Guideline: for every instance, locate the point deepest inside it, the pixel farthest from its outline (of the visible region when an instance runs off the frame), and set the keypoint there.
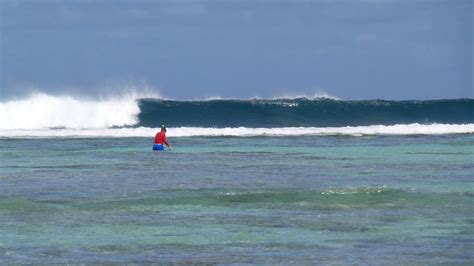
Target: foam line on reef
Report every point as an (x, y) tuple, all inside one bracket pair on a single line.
[(410, 129)]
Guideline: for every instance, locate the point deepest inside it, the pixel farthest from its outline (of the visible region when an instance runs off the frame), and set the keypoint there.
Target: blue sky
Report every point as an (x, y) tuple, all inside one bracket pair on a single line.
[(417, 49)]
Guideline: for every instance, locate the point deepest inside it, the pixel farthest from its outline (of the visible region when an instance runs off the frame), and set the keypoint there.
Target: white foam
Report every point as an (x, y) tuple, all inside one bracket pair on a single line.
[(42, 111), (410, 129)]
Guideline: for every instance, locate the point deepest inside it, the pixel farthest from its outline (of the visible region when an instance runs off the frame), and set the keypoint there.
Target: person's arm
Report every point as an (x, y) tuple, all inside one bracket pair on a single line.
[(166, 142)]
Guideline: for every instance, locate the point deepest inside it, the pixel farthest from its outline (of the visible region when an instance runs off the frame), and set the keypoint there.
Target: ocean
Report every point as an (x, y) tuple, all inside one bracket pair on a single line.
[(277, 181)]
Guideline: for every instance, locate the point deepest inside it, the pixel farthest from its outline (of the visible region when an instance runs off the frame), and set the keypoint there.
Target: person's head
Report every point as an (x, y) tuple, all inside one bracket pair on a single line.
[(163, 128)]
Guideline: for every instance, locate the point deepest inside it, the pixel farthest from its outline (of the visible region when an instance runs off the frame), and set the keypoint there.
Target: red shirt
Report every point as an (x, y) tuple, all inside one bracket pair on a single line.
[(160, 138)]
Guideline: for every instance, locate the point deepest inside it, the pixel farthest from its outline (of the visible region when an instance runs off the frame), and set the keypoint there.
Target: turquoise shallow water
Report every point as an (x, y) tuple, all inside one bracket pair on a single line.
[(390, 199)]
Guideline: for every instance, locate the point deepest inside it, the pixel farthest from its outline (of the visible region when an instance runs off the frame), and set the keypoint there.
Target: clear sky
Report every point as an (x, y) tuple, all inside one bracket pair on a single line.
[(354, 49)]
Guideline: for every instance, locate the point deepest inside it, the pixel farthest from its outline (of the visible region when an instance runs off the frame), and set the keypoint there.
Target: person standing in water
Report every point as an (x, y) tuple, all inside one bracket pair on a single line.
[(160, 139)]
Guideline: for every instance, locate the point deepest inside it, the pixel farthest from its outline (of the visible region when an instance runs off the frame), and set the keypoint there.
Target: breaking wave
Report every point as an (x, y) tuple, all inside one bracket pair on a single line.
[(42, 111), (135, 115)]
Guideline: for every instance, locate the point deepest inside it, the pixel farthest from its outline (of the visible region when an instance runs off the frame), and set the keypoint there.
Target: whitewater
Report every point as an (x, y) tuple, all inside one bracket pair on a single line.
[(411, 129), (43, 115)]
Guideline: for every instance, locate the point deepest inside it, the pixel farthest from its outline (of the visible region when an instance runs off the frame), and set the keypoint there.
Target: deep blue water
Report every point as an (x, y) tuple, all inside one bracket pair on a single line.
[(307, 199), (302, 112)]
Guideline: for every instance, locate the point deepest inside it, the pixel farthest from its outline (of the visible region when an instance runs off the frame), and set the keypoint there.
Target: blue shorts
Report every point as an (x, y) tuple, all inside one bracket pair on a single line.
[(158, 147)]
